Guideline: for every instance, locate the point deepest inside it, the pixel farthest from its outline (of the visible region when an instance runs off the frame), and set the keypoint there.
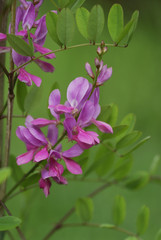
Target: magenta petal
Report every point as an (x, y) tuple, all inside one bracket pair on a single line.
[(41, 155), (69, 124), (46, 67), (74, 151), (84, 137), (42, 122), (4, 49), (104, 75), (43, 50), (76, 91), (27, 78), (102, 126), (29, 17), (60, 109), (45, 184), (86, 114), (89, 70), (72, 166), (54, 99), (37, 134), (28, 121), (52, 134), (41, 31), (31, 138), (25, 158), (20, 134), (3, 36)]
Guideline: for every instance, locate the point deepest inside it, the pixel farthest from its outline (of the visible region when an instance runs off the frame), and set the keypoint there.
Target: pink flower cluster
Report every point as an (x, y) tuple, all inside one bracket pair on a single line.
[(79, 111), (26, 19)]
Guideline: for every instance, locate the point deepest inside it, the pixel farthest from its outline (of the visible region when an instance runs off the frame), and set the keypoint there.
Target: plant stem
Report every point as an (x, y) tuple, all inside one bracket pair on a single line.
[(9, 213), (72, 210), (19, 182), (10, 96), (96, 225), (13, 116), (63, 49), (3, 26)]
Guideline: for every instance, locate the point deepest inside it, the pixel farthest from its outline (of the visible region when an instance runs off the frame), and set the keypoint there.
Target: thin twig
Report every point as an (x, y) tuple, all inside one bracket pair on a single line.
[(9, 213), (63, 49), (20, 181), (72, 210), (96, 225), (4, 69), (13, 116)]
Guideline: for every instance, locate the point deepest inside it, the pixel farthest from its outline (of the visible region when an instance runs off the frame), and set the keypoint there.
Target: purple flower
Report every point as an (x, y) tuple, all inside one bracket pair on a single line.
[(37, 144), (104, 75)]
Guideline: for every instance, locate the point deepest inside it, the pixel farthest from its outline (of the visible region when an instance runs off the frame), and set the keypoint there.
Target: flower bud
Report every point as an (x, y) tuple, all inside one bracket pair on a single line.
[(89, 70), (99, 51)]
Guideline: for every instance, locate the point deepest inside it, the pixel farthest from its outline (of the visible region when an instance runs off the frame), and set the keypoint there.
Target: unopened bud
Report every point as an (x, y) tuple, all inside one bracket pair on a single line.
[(105, 49), (99, 51), (89, 70), (97, 63)]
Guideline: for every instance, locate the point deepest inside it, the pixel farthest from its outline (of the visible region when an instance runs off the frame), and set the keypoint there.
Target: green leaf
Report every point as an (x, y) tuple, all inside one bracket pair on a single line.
[(122, 168), (19, 45), (125, 31), (130, 120), (34, 178), (4, 174), (135, 17), (84, 209), (51, 23), (104, 160), (31, 98), (63, 3), (114, 115), (129, 139), (119, 210), (77, 4), (82, 16), (155, 163), (117, 131), (139, 144), (143, 220), (115, 21), (9, 222), (105, 113), (65, 26), (21, 95), (158, 235), (95, 23), (17, 172), (137, 180)]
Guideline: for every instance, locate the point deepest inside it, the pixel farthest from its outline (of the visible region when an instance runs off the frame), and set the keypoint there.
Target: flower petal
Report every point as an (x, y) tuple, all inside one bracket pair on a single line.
[(29, 17), (72, 166), (41, 31), (41, 155), (86, 114), (89, 70), (52, 134), (27, 78), (74, 151), (25, 158), (77, 90), (42, 122), (102, 126), (69, 124), (46, 67), (43, 50), (54, 99), (3, 36), (45, 185), (4, 49)]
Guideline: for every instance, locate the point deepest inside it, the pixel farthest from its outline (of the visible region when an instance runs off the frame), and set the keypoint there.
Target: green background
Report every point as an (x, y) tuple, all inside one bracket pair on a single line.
[(135, 87)]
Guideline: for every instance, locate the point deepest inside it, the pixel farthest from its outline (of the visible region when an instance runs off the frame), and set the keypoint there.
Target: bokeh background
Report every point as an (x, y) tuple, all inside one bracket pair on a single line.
[(135, 87)]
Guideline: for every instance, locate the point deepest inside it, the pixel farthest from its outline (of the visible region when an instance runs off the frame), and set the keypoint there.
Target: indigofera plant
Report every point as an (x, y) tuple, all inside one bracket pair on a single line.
[(80, 123)]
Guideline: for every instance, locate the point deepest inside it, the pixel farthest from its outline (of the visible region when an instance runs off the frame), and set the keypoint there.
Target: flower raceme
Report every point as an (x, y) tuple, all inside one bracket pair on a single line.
[(26, 14), (79, 111)]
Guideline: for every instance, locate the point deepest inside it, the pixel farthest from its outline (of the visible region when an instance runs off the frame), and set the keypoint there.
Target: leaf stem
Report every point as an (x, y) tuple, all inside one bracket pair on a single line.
[(72, 210), (97, 225), (63, 49)]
